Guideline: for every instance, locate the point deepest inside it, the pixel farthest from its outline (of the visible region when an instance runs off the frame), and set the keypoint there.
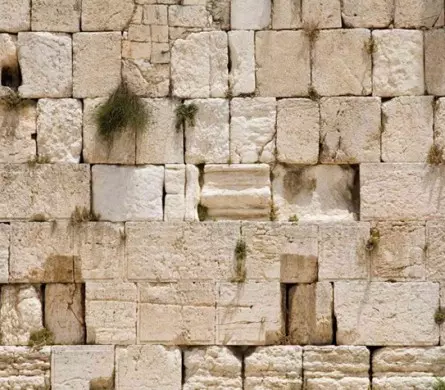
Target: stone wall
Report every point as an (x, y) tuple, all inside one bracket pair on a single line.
[(288, 234)]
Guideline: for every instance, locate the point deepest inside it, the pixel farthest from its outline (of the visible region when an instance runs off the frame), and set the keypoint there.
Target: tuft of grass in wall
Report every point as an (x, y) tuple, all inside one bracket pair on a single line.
[(435, 155), (439, 316), (39, 218), (370, 46), (293, 218), (313, 94), (40, 338), (32, 162), (12, 99), (202, 212), (373, 240), (439, 384), (311, 30), (273, 212), (185, 114), (240, 261), (82, 214)]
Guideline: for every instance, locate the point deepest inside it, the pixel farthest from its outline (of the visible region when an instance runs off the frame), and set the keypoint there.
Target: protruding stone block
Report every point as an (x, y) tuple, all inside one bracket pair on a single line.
[(250, 14), (298, 269), (55, 15), (108, 15), (434, 61), (370, 13), (16, 15), (242, 56), (414, 14)]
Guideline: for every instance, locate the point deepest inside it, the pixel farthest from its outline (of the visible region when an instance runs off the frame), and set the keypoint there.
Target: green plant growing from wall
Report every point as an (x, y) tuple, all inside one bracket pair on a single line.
[(32, 162), (40, 338), (439, 316), (373, 240), (185, 114), (435, 155), (82, 214), (240, 261), (439, 384), (293, 218)]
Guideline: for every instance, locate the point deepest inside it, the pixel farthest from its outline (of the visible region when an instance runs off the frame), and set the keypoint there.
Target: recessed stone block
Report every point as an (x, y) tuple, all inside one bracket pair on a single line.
[(298, 269)]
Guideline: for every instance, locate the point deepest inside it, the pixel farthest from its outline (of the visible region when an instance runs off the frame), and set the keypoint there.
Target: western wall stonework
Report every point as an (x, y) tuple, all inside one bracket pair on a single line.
[(286, 233)]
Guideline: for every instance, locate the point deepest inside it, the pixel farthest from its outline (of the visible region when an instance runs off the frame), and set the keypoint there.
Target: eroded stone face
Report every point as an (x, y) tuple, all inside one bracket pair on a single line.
[(435, 251), (242, 57), (250, 14), (287, 14), (371, 13), (55, 15), (412, 14), (5, 231), (16, 15), (434, 60), (99, 15)]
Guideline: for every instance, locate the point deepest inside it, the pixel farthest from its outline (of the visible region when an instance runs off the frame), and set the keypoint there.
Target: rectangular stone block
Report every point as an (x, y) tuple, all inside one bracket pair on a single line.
[(412, 14), (5, 233), (192, 193), (370, 13), (175, 179), (434, 61), (298, 269), (16, 15), (99, 15), (287, 14), (145, 78), (55, 15), (188, 16), (250, 14), (322, 13), (379, 313), (435, 250), (174, 207), (242, 55)]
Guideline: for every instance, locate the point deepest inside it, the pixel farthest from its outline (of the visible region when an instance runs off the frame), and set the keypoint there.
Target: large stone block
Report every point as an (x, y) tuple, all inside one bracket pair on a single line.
[(188, 16), (435, 251), (242, 57), (434, 61), (175, 178), (145, 78), (5, 233), (55, 15), (46, 64), (100, 15), (322, 13), (297, 269), (287, 14), (379, 313), (16, 15), (439, 124), (370, 13), (282, 63), (250, 14), (414, 14)]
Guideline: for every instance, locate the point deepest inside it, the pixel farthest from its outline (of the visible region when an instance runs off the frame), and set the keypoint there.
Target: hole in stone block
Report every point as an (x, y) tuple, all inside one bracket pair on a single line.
[(11, 77)]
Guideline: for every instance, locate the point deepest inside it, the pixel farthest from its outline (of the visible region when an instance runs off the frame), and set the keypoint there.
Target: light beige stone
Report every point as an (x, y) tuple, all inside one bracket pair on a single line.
[(252, 130), (435, 259), (188, 16), (220, 12), (5, 233), (55, 15), (367, 13), (442, 304), (155, 14), (242, 57), (322, 13), (414, 14), (350, 130), (379, 313), (192, 193), (16, 15), (175, 178), (159, 33), (282, 63), (100, 15), (398, 63), (136, 50), (145, 78), (174, 207), (298, 269), (439, 124), (250, 14), (46, 64), (140, 33), (287, 14), (160, 53), (8, 59), (434, 61)]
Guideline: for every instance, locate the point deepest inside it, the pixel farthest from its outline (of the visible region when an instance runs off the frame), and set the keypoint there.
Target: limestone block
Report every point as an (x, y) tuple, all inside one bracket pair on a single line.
[(414, 14), (5, 233), (239, 191), (435, 250), (287, 14), (46, 64), (55, 15), (434, 61), (350, 129), (317, 193), (298, 131), (322, 13), (8, 58), (82, 367), (369, 13), (188, 16), (199, 65), (110, 312), (148, 367), (155, 14), (56, 190), (212, 367), (137, 192), (249, 313), (140, 33), (160, 142), (310, 314), (59, 129), (379, 313), (282, 63), (159, 33), (167, 252), (407, 129), (342, 65), (220, 12), (332, 367), (64, 313), (174, 207), (242, 56), (160, 53), (20, 313), (16, 15), (108, 15), (298, 269), (145, 78), (97, 74), (252, 130), (439, 123), (177, 313), (398, 63), (274, 367), (175, 178), (192, 193), (400, 191), (250, 14)]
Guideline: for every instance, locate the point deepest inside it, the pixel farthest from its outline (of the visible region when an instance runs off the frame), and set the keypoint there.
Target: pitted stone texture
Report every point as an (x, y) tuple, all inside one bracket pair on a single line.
[(175, 178), (379, 313), (318, 193), (82, 366), (148, 367), (208, 141), (212, 368), (100, 15), (414, 14), (174, 207), (252, 130), (192, 193), (5, 232), (168, 252), (282, 63), (249, 313), (350, 130), (250, 14), (46, 64), (369, 13), (398, 63), (297, 269), (188, 16), (136, 192), (331, 367), (342, 65), (239, 191), (199, 65), (407, 128), (401, 191), (242, 57), (298, 128), (434, 61), (96, 63), (56, 190), (59, 129), (322, 13), (287, 14), (20, 313), (55, 15), (145, 78), (16, 15), (400, 252), (110, 312), (274, 367), (177, 313), (435, 251)]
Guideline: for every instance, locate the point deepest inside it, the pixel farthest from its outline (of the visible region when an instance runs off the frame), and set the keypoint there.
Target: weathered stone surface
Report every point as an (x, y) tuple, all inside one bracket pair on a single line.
[(370, 13), (82, 367), (64, 313), (379, 313), (350, 130), (434, 61), (242, 57), (342, 65), (155, 14), (199, 65), (188, 16), (59, 129), (148, 367), (56, 190), (192, 193), (298, 269), (20, 313), (237, 191), (398, 63), (175, 178), (282, 63), (439, 124), (55, 15), (16, 15), (252, 130), (322, 13), (137, 192), (298, 131), (100, 15), (212, 367), (145, 78), (174, 207), (110, 312), (275, 367), (46, 64), (250, 14), (287, 14), (96, 63), (435, 251), (414, 14), (407, 128), (5, 232), (8, 58)]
